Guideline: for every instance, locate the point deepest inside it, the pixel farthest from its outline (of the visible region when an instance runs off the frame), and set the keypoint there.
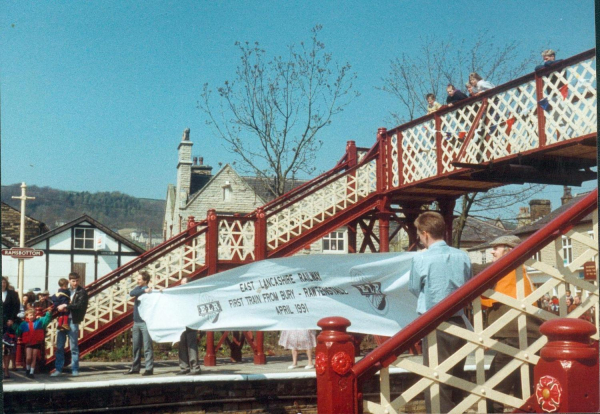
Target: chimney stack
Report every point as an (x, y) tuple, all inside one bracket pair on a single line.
[(523, 217), (539, 209), (567, 196), (195, 160), (201, 160)]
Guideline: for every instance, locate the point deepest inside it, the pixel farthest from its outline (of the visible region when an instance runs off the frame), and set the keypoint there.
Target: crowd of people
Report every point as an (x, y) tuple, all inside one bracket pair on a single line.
[(477, 85)]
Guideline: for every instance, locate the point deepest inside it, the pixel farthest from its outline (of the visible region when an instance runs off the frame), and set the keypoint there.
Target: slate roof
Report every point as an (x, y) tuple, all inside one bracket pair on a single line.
[(542, 221), (259, 186), (478, 231)]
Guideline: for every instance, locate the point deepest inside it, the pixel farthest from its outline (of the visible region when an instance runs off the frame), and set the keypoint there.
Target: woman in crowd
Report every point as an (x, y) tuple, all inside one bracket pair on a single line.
[(299, 340)]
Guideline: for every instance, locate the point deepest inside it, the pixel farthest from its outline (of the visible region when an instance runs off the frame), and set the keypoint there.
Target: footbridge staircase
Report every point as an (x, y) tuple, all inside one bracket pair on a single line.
[(540, 128)]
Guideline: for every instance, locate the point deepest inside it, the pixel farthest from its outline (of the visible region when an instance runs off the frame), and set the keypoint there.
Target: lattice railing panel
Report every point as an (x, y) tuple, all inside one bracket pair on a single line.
[(482, 337), (236, 239), (394, 167), (419, 152), (508, 126), (454, 128), (305, 213), (572, 100), (114, 300)]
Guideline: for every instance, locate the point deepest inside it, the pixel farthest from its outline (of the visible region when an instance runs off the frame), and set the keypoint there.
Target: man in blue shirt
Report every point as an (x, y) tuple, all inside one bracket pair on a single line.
[(435, 274), (140, 331)]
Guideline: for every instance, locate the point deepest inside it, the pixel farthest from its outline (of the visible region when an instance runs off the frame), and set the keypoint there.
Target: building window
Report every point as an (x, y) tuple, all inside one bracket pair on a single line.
[(567, 248), (483, 257), (537, 256), (227, 193), (335, 242), (84, 239)]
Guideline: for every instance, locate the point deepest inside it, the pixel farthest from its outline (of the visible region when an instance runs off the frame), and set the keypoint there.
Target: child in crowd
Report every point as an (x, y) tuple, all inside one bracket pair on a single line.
[(432, 104), (9, 341), (62, 297), (32, 334)]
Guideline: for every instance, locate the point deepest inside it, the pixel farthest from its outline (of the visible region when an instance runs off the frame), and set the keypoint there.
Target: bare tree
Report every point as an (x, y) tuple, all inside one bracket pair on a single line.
[(271, 113), (488, 206), (439, 62)]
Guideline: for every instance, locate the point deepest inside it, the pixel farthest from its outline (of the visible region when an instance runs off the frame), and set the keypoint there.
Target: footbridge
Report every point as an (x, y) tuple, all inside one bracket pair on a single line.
[(539, 128)]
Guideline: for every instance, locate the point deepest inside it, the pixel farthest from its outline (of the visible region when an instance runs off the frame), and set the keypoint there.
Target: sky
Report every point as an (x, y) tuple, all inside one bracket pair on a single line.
[(95, 95)]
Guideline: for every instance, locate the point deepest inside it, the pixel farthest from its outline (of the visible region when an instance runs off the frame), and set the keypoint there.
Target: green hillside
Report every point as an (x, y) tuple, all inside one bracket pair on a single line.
[(113, 209)]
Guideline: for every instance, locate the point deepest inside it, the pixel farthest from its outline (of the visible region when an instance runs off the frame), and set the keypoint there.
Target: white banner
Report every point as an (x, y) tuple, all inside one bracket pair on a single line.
[(371, 290)]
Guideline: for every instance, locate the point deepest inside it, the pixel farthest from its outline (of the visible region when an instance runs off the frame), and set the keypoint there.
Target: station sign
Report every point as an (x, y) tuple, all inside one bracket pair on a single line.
[(22, 252), (589, 270)]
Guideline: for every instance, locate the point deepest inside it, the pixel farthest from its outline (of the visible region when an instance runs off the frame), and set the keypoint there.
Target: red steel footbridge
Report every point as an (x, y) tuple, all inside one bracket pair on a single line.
[(539, 128)]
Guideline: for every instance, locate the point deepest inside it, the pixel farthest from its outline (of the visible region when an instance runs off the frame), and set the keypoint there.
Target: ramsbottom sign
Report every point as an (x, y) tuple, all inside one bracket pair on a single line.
[(371, 290), (22, 252)]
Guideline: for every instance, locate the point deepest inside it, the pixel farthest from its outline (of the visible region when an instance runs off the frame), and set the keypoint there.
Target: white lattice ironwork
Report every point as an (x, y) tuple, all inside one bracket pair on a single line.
[(482, 338), (306, 212), (508, 126), (419, 152), (114, 300), (454, 127), (394, 168), (571, 96), (236, 239)]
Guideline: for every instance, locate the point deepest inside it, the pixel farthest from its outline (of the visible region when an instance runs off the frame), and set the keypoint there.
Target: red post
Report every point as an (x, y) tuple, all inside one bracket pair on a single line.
[(210, 358), (352, 228), (541, 115), (439, 153), (336, 384), (351, 153), (212, 241), (382, 160), (384, 225), (447, 211), (260, 253), (566, 377), (212, 255)]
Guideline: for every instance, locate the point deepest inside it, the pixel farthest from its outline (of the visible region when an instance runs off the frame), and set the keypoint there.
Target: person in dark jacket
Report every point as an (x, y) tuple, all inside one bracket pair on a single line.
[(549, 57), (140, 331), (11, 305), (77, 309), (454, 95)]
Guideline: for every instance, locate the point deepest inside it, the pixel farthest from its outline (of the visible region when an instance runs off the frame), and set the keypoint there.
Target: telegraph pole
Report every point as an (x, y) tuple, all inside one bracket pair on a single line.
[(23, 199)]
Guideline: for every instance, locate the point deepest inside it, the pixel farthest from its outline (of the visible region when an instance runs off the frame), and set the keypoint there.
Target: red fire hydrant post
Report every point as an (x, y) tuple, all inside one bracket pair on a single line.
[(566, 377), (336, 384)]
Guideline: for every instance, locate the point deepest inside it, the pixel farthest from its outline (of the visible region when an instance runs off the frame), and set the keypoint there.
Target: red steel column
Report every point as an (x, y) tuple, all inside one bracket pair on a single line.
[(384, 225), (337, 387), (566, 377), (447, 211), (439, 153), (541, 115), (382, 160), (352, 228), (260, 253), (212, 255)]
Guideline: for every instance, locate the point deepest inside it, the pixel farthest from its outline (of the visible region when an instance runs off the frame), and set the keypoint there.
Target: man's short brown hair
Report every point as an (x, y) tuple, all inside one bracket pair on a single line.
[(145, 276), (433, 223), (74, 275)]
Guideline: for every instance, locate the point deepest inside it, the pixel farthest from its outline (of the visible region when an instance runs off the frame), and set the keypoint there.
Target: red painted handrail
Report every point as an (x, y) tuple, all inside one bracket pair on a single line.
[(426, 323)]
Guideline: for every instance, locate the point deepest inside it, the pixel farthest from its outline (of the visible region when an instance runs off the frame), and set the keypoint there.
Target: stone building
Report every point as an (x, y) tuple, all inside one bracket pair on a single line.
[(559, 254)]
